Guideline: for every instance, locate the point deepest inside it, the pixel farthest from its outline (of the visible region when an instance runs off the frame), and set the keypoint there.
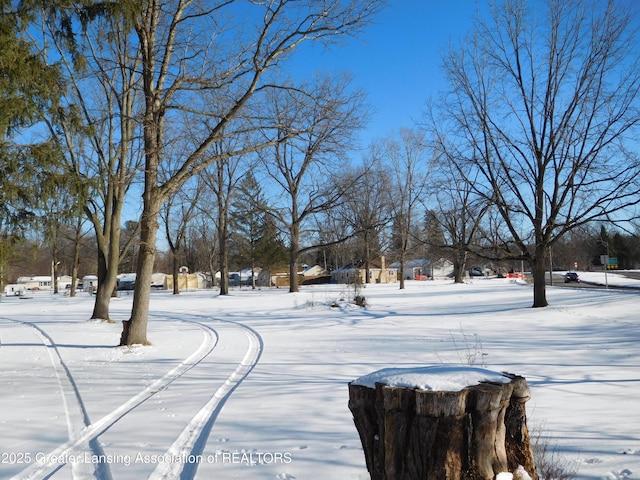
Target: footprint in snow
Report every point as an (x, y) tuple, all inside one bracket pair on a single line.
[(622, 474)]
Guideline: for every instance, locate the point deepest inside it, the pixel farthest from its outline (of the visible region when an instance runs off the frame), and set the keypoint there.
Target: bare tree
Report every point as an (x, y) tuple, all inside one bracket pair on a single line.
[(367, 209), (314, 128), (201, 243), (189, 47), (458, 212), (177, 213), (221, 178), (406, 154), (97, 127), (542, 109)]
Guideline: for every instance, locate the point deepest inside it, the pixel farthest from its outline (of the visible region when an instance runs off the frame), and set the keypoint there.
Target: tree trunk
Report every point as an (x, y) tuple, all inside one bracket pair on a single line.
[(224, 262), (459, 265), (293, 260), (76, 263), (293, 273), (223, 231), (538, 267), (367, 257), (135, 329), (108, 263), (457, 271), (107, 278), (175, 273), (471, 434), (224, 278), (54, 273), (253, 276)]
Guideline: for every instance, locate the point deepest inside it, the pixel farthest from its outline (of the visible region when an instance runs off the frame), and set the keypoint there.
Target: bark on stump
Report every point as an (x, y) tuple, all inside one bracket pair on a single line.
[(471, 434)]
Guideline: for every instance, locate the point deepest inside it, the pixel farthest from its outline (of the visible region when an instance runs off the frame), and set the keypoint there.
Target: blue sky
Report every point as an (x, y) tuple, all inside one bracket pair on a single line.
[(397, 59)]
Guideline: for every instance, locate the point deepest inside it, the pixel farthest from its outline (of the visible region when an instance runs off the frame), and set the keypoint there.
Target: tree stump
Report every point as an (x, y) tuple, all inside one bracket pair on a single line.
[(412, 431)]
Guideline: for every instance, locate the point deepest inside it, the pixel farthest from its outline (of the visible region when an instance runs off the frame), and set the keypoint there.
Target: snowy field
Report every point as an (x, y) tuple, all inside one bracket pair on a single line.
[(254, 385)]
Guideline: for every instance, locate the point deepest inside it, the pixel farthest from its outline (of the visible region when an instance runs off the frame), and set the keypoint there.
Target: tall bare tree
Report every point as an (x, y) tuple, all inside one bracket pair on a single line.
[(230, 51), (315, 126), (201, 243), (221, 179), (458, 213), (97, 125), (177, 213), (367, 208), (543, 108), (406, 155)]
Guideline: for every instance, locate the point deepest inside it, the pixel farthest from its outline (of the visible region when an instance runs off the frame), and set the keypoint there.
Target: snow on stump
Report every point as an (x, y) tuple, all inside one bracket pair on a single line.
[(443, 423)]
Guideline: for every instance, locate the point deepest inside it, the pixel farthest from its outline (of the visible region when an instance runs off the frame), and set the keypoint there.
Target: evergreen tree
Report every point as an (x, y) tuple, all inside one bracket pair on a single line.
[(247, 223), (271, 250), (29, 88)]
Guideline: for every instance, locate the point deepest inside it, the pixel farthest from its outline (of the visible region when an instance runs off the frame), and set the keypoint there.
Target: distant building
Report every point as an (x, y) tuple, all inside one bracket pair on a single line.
[(310, 275), (378, 272), (314, 271), (159, 281), (90, 283), (417, 269), (420, 269), (38, 282), (188, 281), (126, 281), (314, 275), (14, 290), (43, 282), (442, 269), (273, 278)]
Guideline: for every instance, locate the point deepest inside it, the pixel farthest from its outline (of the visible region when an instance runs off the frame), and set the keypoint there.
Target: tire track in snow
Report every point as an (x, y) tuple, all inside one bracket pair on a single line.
[(77, 419), (51, 461), (194, 436)]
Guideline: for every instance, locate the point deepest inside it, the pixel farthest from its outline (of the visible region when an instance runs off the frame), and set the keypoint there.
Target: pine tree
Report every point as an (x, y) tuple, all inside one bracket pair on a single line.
[(29, 88)]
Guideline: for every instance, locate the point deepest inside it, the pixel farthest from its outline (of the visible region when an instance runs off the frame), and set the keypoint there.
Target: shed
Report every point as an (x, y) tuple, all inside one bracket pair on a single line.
[(90, 283)]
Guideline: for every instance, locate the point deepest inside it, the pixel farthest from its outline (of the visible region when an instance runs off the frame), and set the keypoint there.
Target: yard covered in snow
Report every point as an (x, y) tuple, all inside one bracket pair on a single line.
[(253, 385)]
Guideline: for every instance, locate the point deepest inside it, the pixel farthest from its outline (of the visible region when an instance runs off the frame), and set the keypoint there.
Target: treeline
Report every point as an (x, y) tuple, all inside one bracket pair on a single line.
[(582, 249)]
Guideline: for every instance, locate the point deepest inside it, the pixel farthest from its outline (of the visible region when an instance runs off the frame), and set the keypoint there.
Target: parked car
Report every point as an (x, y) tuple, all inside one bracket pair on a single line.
[(571, 277), (476, 272)]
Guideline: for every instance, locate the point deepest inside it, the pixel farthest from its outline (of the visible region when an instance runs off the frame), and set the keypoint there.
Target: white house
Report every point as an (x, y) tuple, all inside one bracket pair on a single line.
[(43, 282), (419, 269), (416, 269), (442, 269), (37, 282)]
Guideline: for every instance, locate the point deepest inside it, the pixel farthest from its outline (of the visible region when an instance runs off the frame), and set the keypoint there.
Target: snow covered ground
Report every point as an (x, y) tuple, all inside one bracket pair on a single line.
[(254, 385)]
